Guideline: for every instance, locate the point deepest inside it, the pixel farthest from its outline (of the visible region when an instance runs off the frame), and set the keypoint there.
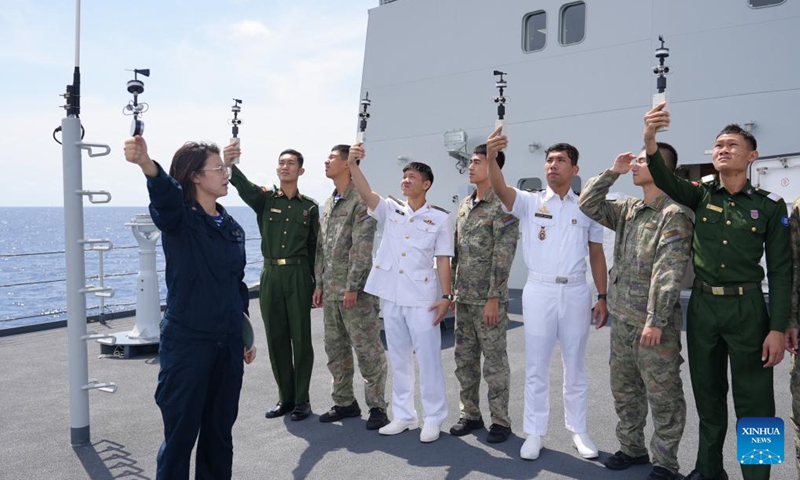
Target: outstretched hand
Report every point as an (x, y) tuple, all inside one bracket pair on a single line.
[(356, 153), (136, 153), (655, 119), (496, 142), (623, 163), (230, 152)]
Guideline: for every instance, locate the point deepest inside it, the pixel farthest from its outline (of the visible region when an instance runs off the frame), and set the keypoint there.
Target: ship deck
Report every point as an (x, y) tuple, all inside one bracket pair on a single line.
[(126, 428)]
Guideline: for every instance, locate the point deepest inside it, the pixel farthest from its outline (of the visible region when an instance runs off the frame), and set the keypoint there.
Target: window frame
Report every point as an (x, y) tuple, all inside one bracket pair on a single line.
[(525, 19), (749, 4), (561, 11)]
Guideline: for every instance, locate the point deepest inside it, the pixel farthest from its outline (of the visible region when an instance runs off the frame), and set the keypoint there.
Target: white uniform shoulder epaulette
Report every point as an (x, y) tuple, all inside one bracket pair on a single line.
[(436, 207), (708, 178), (397, 201), (771, 195)]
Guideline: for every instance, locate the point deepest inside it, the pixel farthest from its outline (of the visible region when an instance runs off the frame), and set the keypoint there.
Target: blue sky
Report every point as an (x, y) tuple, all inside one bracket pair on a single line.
[(296, 64)]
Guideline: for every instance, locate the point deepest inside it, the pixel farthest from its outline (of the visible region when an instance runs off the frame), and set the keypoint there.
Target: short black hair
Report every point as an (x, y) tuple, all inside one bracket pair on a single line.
[(423, 169), (572, 152), (669, 154), (297, 155), (734, 128), (481, 150), (344, 151)]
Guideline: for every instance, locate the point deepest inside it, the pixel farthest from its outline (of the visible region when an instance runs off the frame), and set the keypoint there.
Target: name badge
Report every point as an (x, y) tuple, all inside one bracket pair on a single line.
[(274, 210), (714, 208), (542, 215), (400, 212)]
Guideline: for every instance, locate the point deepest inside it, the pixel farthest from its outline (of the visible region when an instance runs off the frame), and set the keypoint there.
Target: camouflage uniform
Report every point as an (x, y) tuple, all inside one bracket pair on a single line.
[(794, 317), (486, 241), (651, 253), (344, 259)]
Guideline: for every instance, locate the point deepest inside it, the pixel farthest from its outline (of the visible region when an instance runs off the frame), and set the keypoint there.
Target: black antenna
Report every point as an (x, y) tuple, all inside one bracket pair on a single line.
[(662, 53), (363, 116), (136, 88), (500, 100), (235, 121)]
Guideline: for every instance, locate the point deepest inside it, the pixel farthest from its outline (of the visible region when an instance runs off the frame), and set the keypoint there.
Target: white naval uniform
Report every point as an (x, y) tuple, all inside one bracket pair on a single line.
[(404, 277), (556, 303)]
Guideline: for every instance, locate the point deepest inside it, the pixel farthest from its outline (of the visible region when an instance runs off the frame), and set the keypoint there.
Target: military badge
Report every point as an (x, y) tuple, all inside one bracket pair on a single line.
[(279, 193), (754, 214), (274, 210), (542, 234), (574, 221), (785, 221), (429, 221), (714, 208), (305, 213), (544, 209)]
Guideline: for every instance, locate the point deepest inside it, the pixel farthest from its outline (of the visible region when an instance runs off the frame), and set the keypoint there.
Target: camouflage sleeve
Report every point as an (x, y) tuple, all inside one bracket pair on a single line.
[(794, 228), (506, 232), (593, 201), (454, 258), (361, 249), (669, 265), (319, 259), (254, 196), (678, 189)]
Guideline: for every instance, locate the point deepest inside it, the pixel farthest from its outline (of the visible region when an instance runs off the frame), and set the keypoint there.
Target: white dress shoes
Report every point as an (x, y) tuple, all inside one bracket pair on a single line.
[(398, 426), (585, 446), (429, 433), (531, 448)]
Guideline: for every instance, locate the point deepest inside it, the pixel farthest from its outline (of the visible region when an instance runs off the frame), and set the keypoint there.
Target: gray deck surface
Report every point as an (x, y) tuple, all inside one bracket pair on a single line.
[(126, 426)]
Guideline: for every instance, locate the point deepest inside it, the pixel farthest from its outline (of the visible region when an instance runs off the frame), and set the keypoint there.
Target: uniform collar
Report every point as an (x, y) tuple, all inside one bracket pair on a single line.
[(549, 193), (748, 188), (345, 194), (487, 197), (658, 203), (279, 193)]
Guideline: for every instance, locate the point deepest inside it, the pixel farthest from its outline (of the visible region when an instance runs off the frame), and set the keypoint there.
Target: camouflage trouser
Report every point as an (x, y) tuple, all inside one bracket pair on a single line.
[(795, 389), (473, 337), (358, 328), (640, 374)]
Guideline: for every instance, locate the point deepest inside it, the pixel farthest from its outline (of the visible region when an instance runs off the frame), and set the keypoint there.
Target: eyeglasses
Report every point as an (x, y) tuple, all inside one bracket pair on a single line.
[(220, 169)]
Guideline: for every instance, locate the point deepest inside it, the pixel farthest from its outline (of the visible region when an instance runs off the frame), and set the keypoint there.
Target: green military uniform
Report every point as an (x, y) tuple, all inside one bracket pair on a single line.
[(651, 252), (289, 228), (794, 319), (485, 244), (344, 259), (727, 314)]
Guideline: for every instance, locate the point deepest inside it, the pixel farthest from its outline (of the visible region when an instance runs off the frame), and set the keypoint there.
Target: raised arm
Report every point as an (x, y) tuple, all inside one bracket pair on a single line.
[(679, 189), (360, 256), (253, 195), (593, 201), (166, 195), (359, 180), (496, 142)]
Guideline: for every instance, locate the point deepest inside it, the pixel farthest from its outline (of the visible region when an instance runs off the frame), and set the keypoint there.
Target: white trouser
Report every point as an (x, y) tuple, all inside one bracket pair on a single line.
[(410, 330), (555, 311)]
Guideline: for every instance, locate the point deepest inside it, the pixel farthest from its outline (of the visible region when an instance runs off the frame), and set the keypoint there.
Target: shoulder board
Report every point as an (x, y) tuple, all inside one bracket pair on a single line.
[(708, 178), (533, 190), (306, 197), (436, 207), (771, 195), (395, 200)]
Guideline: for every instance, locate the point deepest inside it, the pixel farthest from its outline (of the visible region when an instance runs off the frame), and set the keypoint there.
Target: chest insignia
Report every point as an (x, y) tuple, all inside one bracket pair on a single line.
[(544, 209), (754, 214), (650, 226), (429, 221), (574, 221), (714, 208), (305, 213), (274, 210), (542, 234)]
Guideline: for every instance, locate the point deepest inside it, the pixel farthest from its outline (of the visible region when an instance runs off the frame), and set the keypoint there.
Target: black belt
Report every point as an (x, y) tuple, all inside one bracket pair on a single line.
[(728, 290), (283, 261)]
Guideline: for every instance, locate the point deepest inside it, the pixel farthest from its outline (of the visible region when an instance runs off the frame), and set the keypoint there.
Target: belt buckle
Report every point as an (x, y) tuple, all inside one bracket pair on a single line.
[(280, 261), (717, 290), (562, 280)]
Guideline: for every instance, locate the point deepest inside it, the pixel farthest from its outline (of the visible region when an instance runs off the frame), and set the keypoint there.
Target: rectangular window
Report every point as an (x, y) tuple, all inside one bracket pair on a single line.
[(534, 32), (764, 3), (573, 23)]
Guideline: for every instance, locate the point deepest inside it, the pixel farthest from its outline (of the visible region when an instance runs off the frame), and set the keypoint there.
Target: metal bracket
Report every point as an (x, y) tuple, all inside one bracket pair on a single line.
[(88, 147), (94, 384), (108, 339), (92, 193)]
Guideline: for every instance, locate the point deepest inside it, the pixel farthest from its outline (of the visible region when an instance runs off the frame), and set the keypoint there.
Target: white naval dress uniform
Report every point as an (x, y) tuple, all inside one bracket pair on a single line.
[(556, 302), (404, 277)]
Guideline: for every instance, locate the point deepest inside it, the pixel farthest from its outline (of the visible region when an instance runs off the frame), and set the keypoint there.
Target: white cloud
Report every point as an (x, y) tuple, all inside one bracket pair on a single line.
[(249, 29)]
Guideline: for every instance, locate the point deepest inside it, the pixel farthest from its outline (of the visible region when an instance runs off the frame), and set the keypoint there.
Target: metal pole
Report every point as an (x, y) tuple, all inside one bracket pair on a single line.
[(76, 280)]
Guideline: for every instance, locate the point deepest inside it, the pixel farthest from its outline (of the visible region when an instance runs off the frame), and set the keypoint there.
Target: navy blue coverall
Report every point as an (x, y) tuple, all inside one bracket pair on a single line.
[(201, 353)]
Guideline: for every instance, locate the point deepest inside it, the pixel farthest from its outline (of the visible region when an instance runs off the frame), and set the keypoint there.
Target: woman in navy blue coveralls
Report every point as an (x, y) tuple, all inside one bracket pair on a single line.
[(202, 350)]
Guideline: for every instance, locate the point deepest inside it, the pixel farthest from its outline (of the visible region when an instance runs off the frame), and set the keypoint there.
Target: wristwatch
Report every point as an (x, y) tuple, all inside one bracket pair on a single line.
[(602, 296), (448, 296)]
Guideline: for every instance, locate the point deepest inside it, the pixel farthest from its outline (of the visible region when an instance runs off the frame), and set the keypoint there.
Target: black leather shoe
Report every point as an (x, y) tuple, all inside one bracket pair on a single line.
[(377, 418), (464, 426), (695, 475), (337, 413), (498, 433), (280, 410), (621, 461), (661, 473), (301, 411)]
